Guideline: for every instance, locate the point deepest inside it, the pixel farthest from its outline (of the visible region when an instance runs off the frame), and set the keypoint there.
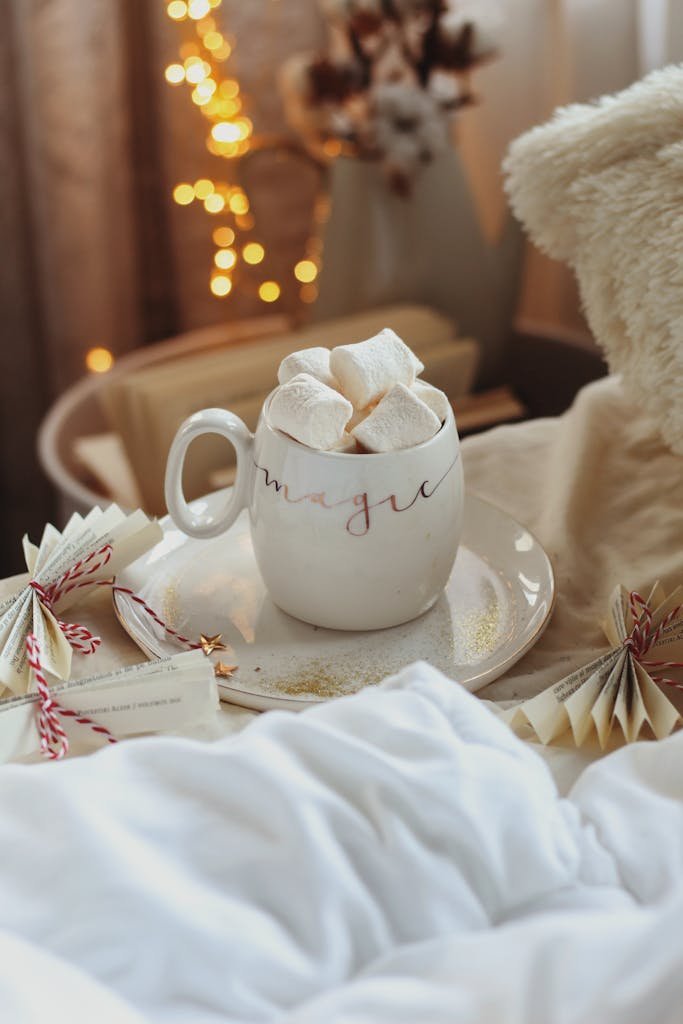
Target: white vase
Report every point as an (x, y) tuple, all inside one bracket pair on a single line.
[(381, 249)]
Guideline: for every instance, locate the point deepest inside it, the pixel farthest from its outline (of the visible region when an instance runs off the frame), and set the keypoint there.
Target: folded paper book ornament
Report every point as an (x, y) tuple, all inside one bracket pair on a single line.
[(37, 643), (623, 689), (63, 568)]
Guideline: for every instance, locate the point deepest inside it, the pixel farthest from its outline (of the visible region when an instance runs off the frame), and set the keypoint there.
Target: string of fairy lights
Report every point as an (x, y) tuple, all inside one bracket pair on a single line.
[(203, 67), (240, 254)]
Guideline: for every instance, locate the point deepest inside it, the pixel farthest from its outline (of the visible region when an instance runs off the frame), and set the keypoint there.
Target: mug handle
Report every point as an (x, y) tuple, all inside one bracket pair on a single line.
[(231, 427)]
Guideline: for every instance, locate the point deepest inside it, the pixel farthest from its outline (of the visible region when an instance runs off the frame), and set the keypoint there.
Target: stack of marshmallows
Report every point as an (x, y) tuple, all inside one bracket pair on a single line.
[(357, 398)]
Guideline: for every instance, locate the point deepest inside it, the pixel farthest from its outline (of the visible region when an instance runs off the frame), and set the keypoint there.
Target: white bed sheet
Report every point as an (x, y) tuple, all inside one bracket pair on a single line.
[(395, 856)]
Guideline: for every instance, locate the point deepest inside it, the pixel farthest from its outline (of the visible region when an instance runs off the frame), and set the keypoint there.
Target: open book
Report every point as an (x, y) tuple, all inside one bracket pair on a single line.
[(159, 696)]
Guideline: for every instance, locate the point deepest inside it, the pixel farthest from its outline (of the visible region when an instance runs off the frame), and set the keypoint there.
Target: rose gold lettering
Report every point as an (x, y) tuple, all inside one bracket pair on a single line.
[(358, 524), (363, 513)]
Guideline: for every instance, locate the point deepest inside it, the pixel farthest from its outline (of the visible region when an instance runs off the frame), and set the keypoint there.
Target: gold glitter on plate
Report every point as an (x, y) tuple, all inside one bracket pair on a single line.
[(169, 606), (317, 684), (483, 629)]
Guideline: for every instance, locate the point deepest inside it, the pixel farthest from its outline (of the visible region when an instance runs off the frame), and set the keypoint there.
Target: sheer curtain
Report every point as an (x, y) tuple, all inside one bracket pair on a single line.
[(92, 141)]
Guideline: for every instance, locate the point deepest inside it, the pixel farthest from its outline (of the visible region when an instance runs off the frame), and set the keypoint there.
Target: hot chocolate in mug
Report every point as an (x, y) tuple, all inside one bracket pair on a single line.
[(345, 541)]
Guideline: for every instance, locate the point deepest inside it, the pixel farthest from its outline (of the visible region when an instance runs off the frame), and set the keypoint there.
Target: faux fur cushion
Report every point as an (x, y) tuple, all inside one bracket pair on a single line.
[(601, 187)]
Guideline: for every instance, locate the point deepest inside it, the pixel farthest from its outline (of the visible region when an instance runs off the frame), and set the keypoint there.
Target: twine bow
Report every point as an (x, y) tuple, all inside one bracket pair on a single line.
[(79, 637), (643, 637)]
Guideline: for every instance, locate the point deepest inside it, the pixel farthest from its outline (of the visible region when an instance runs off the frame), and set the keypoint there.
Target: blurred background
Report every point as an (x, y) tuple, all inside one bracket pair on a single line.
[(189, 189)]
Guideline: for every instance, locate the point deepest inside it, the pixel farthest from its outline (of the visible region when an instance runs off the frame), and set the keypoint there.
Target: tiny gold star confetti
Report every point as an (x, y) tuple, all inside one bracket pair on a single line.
[(223, 671), (209, 644)]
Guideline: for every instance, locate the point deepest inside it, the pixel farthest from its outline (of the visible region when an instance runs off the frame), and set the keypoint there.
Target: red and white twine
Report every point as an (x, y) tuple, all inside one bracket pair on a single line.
[(54, 742), (643, 637), (190, 644)]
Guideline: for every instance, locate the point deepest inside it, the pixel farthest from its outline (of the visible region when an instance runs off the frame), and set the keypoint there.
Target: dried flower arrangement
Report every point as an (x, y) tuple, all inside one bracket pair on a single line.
[(394, 74)]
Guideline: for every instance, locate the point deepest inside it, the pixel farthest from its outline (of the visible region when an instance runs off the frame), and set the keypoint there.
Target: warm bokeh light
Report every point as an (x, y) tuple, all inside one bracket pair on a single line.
[(99, 360), (213, 40), (203, 92), (198, 9), (223, 236), (210, 108), (269, 291), (228, 108), (253, 253), (223, 51), (177, 10), (203, 187), (229, 89), (332, 148), (225, 259), (196, 70), (225, 131), (229, 136), (239, 203), (221, 285), (228, 149), (244, 126), (175, 73), (214, 203), (305, 271), (225, 149), (183, 194)]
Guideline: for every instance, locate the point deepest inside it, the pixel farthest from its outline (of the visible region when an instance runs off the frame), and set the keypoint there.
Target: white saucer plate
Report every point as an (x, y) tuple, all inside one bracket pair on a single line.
[(496, 606)]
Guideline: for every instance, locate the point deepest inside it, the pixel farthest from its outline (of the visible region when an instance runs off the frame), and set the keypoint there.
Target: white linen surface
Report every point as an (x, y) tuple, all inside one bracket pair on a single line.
[(397, 856)]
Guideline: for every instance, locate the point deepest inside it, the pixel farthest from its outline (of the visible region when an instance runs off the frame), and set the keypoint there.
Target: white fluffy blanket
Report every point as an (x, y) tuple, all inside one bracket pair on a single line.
[(601, 187), (398, 856)]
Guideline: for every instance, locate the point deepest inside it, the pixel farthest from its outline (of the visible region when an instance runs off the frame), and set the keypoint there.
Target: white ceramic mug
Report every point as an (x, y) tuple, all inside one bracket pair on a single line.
[(343, 541)]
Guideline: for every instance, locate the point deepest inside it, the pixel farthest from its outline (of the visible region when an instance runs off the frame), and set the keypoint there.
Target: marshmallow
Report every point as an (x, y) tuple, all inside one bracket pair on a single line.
[(400, 420), (431, 396), (314, 361), (310, 412), (368, 369)]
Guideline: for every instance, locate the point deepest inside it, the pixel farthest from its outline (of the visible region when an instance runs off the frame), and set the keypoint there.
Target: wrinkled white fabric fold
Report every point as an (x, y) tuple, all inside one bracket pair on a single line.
[(394, 856)]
